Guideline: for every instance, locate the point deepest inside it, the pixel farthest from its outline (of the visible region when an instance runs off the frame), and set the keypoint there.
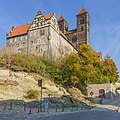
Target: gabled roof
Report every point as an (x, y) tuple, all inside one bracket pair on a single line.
[(21, 30), (48, 16), (71, 32), (82, 11), (61, 19)]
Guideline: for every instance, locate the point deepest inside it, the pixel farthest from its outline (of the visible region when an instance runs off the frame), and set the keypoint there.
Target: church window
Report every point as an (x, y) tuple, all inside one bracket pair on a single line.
[(74, 40), (82, 20), (82, 29)]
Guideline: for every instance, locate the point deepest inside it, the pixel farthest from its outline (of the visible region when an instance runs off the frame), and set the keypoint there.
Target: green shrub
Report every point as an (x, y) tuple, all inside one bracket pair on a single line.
[(32, 94), (31, 63)]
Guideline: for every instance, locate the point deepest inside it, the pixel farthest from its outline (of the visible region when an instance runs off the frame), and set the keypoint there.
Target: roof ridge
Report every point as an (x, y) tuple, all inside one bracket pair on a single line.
[(61, 18), (82, 11)]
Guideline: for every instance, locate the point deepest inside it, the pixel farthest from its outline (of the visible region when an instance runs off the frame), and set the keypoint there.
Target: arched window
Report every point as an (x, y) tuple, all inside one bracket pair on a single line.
[(82, 20), (101, 93), (82, 28)]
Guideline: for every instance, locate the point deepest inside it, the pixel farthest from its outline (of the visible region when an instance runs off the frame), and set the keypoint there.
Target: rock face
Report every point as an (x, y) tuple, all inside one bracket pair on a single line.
[(4, 73), (14, 85)]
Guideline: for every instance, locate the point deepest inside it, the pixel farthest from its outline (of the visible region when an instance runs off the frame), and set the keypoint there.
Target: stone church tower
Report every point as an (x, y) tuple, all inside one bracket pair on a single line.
[(80, 35), (63, 25), (83, 28)]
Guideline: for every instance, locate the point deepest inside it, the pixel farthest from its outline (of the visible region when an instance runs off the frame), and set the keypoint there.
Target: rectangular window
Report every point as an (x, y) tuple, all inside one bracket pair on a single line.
[(74, 40)]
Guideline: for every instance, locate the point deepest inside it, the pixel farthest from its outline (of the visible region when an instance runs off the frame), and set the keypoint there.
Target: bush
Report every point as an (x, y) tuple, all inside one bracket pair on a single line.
[(31, 63), (32, 94)]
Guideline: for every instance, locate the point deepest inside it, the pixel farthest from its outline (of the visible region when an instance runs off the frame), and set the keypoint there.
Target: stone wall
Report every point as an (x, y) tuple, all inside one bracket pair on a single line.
[(59, 45), (4, 73), (110, 90), (38, 41), (18, 44)]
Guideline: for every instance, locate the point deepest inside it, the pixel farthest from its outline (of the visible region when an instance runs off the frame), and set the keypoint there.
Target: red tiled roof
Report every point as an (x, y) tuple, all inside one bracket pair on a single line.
[(61, 19), (21, 30), (99, 54), (48, 16), (70, 32), (82, 11)]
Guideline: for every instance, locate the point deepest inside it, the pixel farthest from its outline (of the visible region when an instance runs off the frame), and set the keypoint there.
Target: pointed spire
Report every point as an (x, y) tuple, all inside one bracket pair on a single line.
[(61, 19), (82, 11)]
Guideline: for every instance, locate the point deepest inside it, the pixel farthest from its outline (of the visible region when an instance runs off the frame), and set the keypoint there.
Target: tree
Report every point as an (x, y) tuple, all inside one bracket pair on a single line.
[(91, 65), (110, 72), (68, 70), (7, 56)]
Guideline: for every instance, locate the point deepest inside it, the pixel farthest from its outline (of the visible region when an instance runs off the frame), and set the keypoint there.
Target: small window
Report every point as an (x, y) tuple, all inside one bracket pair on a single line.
[(82, 28), (42, 32), (74, 40), (17, 44)]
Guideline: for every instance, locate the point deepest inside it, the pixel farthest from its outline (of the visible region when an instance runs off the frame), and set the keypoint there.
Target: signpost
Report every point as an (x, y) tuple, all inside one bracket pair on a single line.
[(40, 85), (91, 93), (46, 102)]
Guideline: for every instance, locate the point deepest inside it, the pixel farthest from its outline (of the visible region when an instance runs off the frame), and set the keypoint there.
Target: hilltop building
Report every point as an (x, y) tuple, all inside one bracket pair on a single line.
[(49, 37)]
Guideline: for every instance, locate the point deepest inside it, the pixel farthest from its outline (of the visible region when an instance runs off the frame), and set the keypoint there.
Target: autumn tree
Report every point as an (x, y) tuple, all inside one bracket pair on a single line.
[(68, 70), (110, 72), (91, 65)]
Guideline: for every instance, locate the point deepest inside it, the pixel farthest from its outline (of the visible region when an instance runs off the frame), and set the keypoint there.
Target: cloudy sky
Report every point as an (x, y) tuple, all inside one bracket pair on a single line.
[(104, 14)]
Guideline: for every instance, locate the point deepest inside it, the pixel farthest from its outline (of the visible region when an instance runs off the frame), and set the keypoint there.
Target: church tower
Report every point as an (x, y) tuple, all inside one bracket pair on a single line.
[(63, 25), (83, 28)]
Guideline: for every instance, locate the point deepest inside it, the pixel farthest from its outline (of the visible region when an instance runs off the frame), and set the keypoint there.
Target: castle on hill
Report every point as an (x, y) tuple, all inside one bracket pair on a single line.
[(49, 37)]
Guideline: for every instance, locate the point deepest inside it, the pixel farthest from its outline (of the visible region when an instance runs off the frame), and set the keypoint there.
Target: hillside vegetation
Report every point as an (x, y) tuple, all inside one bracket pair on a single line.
[(83, 67)]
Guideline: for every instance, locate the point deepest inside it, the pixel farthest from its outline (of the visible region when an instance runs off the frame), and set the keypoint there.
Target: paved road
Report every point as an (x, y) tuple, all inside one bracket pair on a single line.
[(86, 115), (103, 114)]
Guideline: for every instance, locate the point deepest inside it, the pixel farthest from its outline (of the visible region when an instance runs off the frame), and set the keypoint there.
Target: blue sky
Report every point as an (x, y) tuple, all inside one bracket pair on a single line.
[(105, 19)]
